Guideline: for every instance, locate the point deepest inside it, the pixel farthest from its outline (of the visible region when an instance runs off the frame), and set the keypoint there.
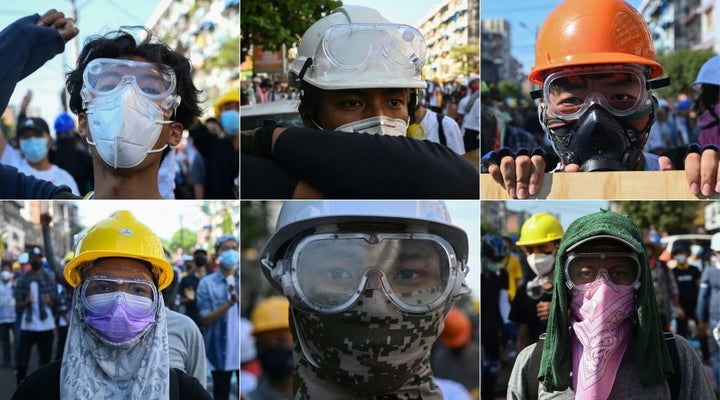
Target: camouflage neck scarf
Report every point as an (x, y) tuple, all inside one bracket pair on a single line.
[(371, 351)]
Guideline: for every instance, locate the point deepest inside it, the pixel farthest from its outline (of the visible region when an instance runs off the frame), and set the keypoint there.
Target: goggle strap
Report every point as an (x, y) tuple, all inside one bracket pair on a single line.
[(308, 63), (659, 83), (536, 94)]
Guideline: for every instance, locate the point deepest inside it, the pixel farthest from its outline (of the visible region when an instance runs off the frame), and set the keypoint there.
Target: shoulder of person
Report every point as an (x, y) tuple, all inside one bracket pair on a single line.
[(186, 387)]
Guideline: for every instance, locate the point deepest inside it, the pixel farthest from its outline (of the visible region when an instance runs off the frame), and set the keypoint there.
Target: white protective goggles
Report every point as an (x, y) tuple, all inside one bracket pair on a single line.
[(394, 48), (106, 76), (622, 269), (105, 285), (328, 273), (621, 90)]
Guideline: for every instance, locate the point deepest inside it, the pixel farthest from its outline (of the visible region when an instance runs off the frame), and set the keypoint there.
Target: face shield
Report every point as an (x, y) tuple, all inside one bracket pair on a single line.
[(328, 273)]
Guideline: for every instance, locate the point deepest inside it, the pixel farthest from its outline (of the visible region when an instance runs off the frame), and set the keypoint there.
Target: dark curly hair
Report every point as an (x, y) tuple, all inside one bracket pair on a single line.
[(122, 44)]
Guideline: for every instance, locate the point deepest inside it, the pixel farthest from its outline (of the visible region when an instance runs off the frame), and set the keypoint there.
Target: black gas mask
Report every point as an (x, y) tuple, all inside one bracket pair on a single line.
[(599, 141)]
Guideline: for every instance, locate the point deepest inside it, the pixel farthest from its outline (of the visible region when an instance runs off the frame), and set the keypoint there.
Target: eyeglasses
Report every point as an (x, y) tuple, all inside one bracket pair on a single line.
[(329, 272), (104, 76), (617, 268), (622, 90), (352, 47), (143, 292)]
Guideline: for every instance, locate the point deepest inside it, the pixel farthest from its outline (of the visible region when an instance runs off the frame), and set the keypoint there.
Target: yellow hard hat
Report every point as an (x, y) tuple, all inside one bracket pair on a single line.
[(270, 314), (232, 96), (120, 235), (540, 228)]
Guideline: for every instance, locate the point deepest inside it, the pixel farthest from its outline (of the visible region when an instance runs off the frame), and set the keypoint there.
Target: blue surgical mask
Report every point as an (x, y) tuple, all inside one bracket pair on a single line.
[(229, 259), (230, 121), (34, 149)]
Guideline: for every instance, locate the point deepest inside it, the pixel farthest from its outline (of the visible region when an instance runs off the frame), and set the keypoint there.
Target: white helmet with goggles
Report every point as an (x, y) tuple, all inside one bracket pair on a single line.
[(355, 47), (323, 254)]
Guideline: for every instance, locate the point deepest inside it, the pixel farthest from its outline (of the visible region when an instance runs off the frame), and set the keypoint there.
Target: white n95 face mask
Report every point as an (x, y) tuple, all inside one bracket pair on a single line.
[(380, 125), (125, 127)]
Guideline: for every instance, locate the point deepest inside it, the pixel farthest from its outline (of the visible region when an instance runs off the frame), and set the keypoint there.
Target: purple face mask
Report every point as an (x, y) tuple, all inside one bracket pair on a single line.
[(119, 317)]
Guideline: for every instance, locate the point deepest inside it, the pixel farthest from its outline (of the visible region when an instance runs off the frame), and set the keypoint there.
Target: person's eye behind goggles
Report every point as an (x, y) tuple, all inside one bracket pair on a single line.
[(631, 95), (328, 273), (622, 269)]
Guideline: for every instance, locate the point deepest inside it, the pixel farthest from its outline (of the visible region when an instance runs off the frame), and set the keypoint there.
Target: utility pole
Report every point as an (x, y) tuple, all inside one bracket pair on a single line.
[(74, 44)]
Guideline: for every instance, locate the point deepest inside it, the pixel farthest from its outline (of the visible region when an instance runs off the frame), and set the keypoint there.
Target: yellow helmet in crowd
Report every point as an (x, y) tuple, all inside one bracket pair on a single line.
[(120, 235), (270, 314), (540, 228), (232, 96)]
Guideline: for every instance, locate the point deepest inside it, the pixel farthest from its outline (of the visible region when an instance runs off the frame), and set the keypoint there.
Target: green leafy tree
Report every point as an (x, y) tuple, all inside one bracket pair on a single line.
[(682, 67), (467, 57), (228, 55), (184, 239), (271, 24), (511, 89), (666, 216)]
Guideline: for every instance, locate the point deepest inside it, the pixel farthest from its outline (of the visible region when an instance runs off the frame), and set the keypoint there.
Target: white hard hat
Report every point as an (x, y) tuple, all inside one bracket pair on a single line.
[(709, 73), (301, 217), (715, 242), (355, 47)]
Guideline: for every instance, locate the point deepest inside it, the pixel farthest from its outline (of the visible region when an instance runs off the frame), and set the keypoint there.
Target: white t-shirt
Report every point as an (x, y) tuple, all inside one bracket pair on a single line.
[(11, 157), (463, 103), (472, 119), (55, 175), (453, 134)]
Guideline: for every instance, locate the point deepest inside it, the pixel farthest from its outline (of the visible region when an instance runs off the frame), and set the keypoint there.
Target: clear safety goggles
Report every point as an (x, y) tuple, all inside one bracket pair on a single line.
[(352, 47), (327, 273), (622, 269), (141, 288), (620, 90), (105, 76)]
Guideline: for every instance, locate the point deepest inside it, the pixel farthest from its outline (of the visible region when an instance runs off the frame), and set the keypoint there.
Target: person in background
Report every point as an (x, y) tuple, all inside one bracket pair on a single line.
[(688, 283), (35, 297), (495, 310), (69, 153), (7, 312), (666, 288), (189, 285), (220, 155), (539, 238), (708, 303), (707, 105), (274, 344), (217, 301), (35, 141), (455, 356)]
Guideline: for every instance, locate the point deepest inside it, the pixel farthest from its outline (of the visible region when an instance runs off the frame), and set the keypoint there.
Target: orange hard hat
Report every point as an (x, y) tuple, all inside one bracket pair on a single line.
[(591, 32), (458, 329)]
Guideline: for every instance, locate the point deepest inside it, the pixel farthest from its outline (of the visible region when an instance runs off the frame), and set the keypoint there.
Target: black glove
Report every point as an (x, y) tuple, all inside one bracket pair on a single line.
[(678, 154)]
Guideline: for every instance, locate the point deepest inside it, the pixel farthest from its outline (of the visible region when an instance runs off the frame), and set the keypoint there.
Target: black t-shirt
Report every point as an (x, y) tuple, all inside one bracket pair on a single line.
[(491, 283), (44, 384), (191, 308), (523, 311), (688, 287)]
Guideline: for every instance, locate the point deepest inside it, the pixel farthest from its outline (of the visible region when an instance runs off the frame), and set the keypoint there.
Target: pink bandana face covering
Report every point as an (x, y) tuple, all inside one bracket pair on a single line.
[(600, 318)]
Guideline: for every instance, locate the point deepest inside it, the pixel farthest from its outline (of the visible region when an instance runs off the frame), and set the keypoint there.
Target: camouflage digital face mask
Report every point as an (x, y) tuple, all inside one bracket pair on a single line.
[(370, 348)]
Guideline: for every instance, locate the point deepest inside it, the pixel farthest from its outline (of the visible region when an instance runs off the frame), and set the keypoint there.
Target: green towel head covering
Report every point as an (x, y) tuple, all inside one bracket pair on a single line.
[(654, 362)]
